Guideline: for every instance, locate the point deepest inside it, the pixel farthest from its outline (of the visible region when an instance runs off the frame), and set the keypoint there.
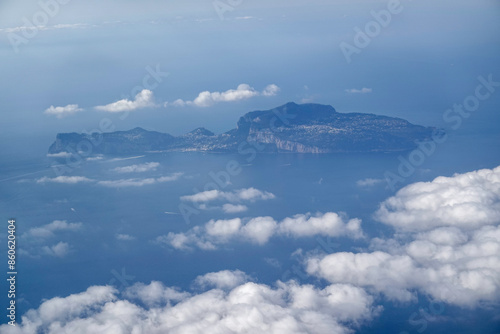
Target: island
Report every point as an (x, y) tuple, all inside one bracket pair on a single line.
[(290, 128)]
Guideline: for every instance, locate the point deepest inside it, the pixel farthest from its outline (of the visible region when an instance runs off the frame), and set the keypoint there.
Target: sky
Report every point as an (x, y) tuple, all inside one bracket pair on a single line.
[(173, 66), (84, 55)]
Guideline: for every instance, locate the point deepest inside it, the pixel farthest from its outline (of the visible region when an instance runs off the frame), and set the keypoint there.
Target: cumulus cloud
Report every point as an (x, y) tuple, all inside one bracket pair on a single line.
[(61, 112), (467, 201), (246, 194), (447, 244), (260, 229), (247, 308), (34, 241), (271, 90), (150, 166), (64, 179), (48, 230), (139, 182), (58, 250), (144, 99), (232, 208), (359, 91), (242, 92), (224, 280)]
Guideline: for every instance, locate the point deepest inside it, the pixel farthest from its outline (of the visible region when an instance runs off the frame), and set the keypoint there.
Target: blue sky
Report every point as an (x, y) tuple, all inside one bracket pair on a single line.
[(95, 52)]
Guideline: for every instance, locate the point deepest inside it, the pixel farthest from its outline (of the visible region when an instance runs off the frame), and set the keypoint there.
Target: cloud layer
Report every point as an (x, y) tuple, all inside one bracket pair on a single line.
[(447, 245), (260, 229), (238, 307), (466, 201)]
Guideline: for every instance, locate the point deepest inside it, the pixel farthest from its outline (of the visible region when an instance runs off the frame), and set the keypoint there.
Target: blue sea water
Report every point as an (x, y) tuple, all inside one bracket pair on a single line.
[(301, 183)]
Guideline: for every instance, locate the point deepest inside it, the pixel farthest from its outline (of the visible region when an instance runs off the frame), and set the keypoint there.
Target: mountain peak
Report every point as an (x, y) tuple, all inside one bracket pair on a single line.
[(201, 132)]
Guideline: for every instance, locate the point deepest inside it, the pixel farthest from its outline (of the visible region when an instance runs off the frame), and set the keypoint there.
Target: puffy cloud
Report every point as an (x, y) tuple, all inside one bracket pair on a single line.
[(61, 112), (260, 229), (144, 99), (248, 194), (467, 201), (224, 280), (150, 166), (124, 237), (271, 90), (64, 179), (329, 224), (48, 230), (447, 244), (246, 308), (242, 92), (58, 250), (232, 208), (155, 294), (139, 182), (359, 91)]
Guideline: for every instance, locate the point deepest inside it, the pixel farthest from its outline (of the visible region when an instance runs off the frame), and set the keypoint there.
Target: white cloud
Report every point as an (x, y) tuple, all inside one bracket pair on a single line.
[(64, 179), (150, 166), (44, 27), (144, 99), (224, 280), (48, 230), (232, 208), (359, 91), (61, 112), (246, 308), (447, 244), (155, 294), (170, 178), (58, 250), (369, 182), (329, 224), (260, 229), (242, 92), (139, 182), (127, 183), (124, 237), (246, 194), (59, 155), (271, 90), (466, 200)]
